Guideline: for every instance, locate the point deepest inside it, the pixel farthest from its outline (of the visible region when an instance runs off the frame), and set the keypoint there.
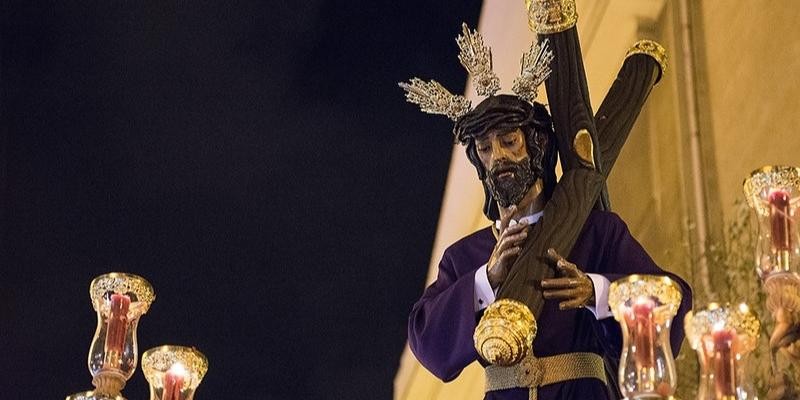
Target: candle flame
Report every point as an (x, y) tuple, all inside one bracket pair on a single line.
[(178, 369), (743, 308)]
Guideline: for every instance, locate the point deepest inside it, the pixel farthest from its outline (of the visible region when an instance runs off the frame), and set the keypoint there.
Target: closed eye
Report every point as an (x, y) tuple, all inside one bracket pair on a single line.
[(510, 139)]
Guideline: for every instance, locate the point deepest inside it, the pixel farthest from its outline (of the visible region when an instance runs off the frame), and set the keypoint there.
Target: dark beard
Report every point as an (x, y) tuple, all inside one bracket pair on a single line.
[(511, 190)]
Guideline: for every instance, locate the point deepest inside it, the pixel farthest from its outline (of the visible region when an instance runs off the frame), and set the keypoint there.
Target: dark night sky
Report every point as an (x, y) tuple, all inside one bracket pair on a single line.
[(255, 161)]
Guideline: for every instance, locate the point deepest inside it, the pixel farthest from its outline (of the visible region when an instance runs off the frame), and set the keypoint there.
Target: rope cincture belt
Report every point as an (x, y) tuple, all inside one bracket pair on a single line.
[(533, 372)]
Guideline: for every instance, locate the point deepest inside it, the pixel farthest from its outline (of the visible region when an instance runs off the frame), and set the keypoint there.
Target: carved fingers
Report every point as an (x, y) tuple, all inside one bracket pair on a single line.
[(508, 247), (573, 287)]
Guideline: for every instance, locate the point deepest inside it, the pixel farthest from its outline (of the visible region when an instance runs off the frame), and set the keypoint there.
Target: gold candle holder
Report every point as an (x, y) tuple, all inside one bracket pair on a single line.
[(505, 334), (723, 336), (773, 192), (645, 305), (91, 395), (173, 372), (120, 300)]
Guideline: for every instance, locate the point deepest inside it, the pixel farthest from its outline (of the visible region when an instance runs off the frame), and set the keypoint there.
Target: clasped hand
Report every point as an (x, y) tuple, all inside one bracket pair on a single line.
[(509, 244), (574, 288)]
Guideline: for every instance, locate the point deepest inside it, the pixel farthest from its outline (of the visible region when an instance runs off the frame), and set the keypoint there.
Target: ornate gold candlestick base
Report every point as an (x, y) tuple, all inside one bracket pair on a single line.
[(92, 395), (109, 383)]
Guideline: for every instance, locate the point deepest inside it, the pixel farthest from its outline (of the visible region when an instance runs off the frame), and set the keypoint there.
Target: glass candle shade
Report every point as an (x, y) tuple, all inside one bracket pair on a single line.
[(773, 192), (645, 305), (91, 395), (722, 337), (119, 300), (174, 372)]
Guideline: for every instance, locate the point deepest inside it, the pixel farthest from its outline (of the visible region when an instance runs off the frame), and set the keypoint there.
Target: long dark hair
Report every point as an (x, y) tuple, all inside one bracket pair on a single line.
[(507, 113)]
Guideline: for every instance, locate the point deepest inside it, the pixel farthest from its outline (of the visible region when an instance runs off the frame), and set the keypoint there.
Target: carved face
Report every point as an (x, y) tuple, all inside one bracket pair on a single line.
[(505, 157)]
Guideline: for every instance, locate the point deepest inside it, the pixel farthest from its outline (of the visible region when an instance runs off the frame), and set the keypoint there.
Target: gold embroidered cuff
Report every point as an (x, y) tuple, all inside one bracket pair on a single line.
[(551, 16), (653, 49)]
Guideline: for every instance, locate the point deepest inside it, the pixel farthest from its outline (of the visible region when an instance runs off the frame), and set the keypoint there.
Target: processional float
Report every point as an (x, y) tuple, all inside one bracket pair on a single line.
[(588, 146)]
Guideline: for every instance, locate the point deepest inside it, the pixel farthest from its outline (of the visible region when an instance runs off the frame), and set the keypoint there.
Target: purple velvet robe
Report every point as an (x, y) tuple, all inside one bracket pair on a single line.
[(442, 322)]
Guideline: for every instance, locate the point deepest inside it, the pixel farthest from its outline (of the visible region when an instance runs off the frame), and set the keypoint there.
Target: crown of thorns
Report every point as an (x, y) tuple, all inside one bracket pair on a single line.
[(433, 98)]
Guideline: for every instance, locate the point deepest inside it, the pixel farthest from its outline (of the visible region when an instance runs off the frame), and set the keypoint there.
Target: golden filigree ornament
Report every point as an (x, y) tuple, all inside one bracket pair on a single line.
[(763, 181), (662, 289), (477, 60), (135, 287), (173, 372), (723, 335), (92, 395), (551, 16), (505, 334), (476, 57), (700, 323), (653, 49), (535, 70)]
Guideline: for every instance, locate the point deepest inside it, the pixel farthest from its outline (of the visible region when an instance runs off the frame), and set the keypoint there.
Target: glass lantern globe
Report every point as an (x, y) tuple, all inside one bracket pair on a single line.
[(773, 192), (645, 305), (173, 372), (723, 336), (120, 300)]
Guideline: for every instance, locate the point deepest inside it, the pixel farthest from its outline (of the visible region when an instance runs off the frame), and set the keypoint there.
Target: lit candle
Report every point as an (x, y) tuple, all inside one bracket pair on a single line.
[(724, 361), (643, 328), (117, 328), (780, 214), (173, 382)]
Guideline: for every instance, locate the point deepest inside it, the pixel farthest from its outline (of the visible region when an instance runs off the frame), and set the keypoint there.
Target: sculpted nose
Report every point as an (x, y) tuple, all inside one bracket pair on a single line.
[(499, 153)]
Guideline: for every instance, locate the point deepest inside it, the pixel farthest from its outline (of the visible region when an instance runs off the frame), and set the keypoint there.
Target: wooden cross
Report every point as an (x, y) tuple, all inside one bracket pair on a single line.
[(582, 186)]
